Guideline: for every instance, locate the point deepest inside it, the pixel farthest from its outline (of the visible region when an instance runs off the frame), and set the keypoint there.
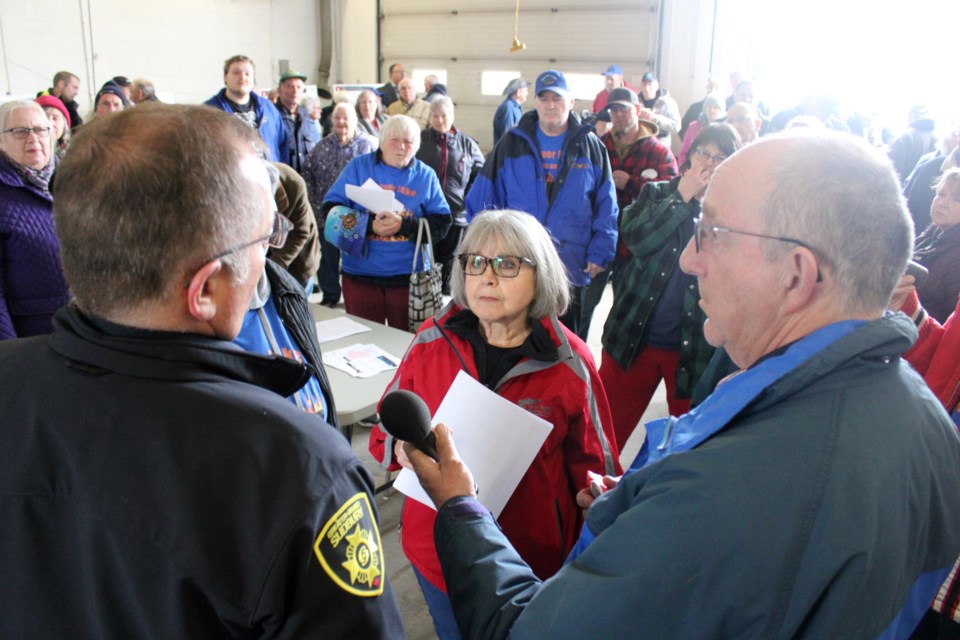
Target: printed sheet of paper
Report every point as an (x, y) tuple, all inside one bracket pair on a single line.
[(336, 328), (373, 197), (361, 360), (497, 439)]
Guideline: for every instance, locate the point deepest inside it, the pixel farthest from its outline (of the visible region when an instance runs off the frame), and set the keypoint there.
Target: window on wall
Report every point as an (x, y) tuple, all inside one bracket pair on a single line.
[(417, 75), (492, 83), (584, 86)]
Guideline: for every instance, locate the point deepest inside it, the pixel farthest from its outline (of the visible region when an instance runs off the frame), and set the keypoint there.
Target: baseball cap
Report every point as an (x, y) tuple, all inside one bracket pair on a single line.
[(289, 75), (624, 96), (514, 85), (648, 77), (552, 81), (613, 70)]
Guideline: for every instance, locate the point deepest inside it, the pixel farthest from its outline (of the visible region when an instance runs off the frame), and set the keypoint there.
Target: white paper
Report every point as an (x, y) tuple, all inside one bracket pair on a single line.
[(336, 328), (495, 438), (373, 197), (361, 360)]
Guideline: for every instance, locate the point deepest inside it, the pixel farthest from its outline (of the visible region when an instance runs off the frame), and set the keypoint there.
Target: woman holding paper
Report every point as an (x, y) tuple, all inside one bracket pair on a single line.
[(378, 246), (508, 288)]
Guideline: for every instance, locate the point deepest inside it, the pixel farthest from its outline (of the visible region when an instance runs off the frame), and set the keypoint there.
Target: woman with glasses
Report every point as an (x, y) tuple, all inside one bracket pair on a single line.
[(654, 330), (32, 286), (502, 328)]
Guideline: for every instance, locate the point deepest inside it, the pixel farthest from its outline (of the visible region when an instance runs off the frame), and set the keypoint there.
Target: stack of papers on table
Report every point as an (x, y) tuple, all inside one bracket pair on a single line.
[(361, 360), (336, 328)]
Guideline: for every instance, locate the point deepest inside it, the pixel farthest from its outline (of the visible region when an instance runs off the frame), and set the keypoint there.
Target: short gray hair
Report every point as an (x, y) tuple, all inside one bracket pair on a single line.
[(310, 102), (442, 103), (401, 125), (841, 196), (145, 196), (517, 233), (7, 109), (149, 91), (348, 109)]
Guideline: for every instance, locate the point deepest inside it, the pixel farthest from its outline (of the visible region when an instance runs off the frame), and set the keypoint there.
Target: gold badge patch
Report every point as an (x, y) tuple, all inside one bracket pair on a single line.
[(349, 548)]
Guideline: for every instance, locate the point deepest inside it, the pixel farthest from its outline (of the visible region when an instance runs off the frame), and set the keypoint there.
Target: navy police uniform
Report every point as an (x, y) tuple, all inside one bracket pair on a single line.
[(160, 485)]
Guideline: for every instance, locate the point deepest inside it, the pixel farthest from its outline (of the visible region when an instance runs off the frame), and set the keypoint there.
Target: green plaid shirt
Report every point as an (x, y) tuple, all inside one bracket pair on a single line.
[(655, 230)]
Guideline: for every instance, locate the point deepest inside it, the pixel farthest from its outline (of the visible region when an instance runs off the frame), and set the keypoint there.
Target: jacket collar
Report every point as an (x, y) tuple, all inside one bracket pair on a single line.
[(102, 347)]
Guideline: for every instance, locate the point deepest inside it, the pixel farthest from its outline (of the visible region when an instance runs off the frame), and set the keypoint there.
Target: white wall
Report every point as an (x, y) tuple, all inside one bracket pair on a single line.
[(178, 44), (358, 62)]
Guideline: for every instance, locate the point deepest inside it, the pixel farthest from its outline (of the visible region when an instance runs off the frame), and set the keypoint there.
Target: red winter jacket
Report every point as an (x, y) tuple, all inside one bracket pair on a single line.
[(541, 519), (936, 354)]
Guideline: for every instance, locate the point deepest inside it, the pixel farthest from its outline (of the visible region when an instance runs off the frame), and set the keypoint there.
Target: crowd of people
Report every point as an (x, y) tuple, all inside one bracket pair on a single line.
[(156, 267)]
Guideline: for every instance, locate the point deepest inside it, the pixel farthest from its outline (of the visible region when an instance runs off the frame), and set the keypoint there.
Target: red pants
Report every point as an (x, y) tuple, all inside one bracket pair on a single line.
[(386, 305), (629, 392)]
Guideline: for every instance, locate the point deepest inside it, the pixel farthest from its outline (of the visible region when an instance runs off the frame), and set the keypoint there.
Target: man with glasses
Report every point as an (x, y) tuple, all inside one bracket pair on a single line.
[(157, 482), (813, 495), (554, 167)]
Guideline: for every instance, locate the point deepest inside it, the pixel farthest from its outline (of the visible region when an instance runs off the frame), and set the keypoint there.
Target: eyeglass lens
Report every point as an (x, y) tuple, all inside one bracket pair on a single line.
[(504, 266)]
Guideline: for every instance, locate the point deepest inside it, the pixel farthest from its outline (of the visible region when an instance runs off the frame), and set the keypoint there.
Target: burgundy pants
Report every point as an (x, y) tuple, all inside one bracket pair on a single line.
[(629, 392), (387, 305)]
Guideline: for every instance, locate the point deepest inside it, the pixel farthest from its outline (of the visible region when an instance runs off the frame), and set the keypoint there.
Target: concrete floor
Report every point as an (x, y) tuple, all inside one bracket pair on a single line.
[(417, 620)]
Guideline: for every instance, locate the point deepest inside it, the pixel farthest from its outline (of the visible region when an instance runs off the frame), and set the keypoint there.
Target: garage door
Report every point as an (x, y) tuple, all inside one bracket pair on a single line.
[(468, 42)]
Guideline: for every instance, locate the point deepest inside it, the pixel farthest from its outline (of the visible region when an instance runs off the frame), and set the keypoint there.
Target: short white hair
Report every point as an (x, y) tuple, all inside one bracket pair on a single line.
[(401, 125)]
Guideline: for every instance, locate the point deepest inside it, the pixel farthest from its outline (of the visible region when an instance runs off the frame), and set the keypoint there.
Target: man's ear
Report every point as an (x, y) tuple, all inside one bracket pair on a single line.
[(803, 274), (201, 291)]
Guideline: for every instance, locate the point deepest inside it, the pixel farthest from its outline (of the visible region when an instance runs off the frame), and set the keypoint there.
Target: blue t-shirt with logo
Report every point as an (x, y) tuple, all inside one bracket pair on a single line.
[(551, 153)]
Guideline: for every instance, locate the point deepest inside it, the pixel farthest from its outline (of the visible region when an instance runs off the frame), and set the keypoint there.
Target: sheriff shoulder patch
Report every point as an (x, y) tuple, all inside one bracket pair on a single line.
[(349, 548)]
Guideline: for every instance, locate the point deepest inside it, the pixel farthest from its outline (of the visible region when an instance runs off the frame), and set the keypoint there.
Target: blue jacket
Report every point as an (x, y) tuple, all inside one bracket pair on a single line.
[(581, 216), (300, 139), (269, 123), (507, 116), (417, 188), (815, 498)]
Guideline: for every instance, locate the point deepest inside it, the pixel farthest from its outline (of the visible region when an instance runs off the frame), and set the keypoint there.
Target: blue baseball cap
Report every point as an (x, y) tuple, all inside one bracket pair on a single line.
[(613, 70), (552, 81)]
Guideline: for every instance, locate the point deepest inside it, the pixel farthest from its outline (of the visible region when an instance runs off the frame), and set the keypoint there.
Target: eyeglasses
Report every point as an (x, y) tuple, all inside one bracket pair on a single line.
[(705, 155), (277, 238), (699, 228), (503, 266), (22, 133)]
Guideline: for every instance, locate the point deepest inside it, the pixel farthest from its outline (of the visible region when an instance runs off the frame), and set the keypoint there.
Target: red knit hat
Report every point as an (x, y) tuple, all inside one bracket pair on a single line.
[(56, 103)]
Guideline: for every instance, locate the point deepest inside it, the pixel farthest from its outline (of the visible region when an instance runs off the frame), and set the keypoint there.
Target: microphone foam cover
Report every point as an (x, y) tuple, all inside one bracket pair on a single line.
[(405, 416)]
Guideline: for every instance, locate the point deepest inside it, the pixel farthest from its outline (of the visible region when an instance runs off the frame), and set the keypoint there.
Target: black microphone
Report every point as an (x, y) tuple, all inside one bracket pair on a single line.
[(406, 417)]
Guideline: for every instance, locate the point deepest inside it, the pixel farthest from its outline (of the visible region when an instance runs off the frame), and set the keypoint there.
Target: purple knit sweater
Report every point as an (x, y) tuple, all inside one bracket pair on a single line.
[(32, 285)]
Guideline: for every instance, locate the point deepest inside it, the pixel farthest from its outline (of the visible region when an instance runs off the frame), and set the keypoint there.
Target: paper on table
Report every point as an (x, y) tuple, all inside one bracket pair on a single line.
[(498, 443), (373, 197), (361, 360), (336, 328)]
